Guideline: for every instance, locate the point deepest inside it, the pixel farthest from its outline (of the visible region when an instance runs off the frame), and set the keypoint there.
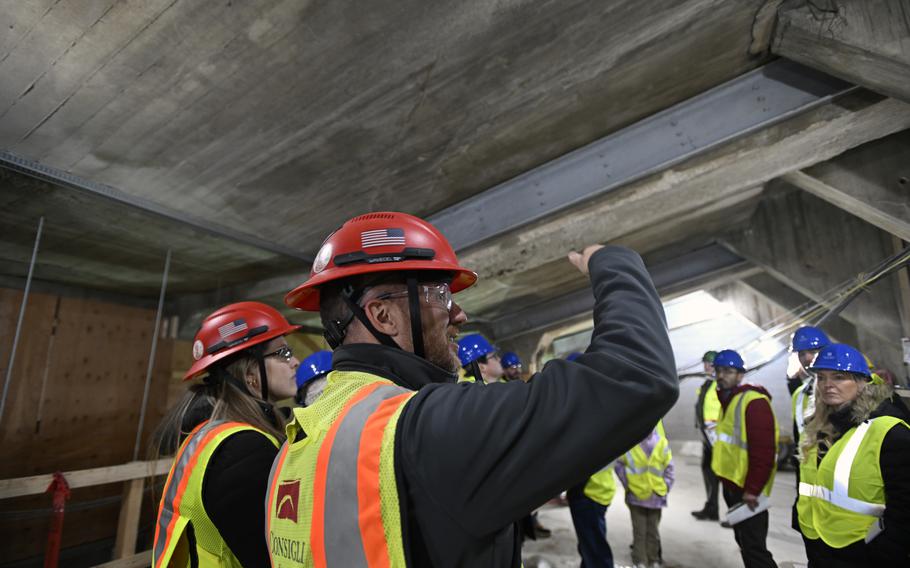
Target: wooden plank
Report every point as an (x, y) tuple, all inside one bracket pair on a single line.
[(37, 484), (140, 560), (128, 523)]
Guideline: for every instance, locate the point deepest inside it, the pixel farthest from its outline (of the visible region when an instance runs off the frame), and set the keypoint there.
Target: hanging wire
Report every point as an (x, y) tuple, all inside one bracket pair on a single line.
[(831, 303)]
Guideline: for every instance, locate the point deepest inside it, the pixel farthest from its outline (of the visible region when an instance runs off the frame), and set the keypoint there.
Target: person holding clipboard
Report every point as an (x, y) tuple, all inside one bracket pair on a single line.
[(745, 456)]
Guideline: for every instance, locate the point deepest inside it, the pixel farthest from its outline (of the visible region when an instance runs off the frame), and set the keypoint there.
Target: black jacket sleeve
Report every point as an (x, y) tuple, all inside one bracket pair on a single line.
[(891, 547), (233, 494), (489, 454)]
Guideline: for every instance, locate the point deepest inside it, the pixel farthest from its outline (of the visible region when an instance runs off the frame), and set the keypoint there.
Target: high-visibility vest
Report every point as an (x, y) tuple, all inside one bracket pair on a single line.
[(842, 498), (645, 473), (799, 401), (182, 519), (711, 408), (601, 487), (730, 458), (333, 498)]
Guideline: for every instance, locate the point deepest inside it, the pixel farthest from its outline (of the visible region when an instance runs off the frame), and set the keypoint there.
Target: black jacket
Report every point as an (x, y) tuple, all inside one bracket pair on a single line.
[(891, 547), (472, 458)]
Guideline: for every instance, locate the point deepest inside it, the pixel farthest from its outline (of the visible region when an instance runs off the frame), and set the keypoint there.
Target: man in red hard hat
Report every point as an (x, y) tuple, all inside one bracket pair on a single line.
[(393, 464)]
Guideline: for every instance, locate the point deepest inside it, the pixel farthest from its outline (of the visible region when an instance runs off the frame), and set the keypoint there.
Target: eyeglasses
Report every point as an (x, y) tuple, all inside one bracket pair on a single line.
[(433, 294), (283, 353)]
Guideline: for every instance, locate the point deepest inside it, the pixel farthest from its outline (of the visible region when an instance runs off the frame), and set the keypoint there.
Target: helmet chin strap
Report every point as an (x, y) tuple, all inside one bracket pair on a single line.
[(263, 377), (416, 324), (478, 376), (349, 296)]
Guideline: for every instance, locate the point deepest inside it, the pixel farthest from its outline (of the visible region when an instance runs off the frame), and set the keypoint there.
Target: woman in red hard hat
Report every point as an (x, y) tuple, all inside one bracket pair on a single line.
[(229, 432)]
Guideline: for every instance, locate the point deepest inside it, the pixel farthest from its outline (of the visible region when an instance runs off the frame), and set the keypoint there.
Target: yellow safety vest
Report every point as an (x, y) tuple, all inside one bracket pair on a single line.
[(645, 473), (181, 503), (730, 458), (842, 498), (711, 408), (601, 487), (333, 499), (799, 402)]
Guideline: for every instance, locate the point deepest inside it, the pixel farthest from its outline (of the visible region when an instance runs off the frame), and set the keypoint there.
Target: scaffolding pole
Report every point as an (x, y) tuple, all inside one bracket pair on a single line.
[(154, 350), (28, 286)]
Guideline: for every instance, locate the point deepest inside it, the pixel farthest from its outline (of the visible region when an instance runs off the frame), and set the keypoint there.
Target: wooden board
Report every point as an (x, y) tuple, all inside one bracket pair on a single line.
[(95, 378)]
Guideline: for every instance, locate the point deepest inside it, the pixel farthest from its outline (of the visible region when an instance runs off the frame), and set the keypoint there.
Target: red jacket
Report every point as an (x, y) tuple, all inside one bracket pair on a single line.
[(760, 423)]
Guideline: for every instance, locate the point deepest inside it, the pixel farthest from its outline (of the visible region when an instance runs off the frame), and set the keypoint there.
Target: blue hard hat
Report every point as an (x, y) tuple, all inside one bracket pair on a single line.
[(313, 367), (729, 358), (807, 338), (840, 357), (510, 359), (573, 356), (472, 347)]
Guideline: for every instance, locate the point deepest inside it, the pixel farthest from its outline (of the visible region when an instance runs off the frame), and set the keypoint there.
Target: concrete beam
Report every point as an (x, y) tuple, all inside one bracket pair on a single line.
[(722, 178), (67, 181), (871, 182), (814, 248), (861, 41), (890, 219), (810, 138), (753, 101), (686, 272)]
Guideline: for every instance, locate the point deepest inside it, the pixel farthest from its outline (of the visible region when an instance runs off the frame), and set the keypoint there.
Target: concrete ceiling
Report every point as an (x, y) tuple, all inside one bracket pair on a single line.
[(264, 124)]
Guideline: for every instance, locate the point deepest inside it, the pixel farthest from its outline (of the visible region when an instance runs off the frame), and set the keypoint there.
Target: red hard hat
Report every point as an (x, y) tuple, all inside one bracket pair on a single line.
[(232, 329), (375, 243)]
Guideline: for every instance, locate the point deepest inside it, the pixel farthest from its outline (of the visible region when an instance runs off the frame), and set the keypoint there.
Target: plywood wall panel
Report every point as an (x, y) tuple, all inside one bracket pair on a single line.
[(96, 373)]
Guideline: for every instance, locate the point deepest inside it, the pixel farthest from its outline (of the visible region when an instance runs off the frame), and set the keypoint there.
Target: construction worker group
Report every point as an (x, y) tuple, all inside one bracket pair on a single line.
[(407, 447)]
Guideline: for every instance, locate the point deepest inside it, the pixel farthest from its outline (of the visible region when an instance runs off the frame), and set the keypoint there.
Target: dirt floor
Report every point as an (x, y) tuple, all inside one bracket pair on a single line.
[(686, 543)]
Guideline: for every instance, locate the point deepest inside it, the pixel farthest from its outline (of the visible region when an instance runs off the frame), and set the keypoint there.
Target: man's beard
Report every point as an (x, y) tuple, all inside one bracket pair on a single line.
[(439, 353)]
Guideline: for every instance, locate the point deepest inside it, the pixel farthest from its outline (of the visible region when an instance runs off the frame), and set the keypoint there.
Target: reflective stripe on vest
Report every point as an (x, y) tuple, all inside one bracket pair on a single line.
[(345, 520), (645, 472), (799, 407), (736, 438), (842, 498), (730, 456), (346, 498), (839, 495), (170, 510)]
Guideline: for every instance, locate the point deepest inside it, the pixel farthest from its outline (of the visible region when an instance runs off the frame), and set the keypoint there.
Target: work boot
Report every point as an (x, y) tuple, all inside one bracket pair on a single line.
[(705, 515), (540, 530)]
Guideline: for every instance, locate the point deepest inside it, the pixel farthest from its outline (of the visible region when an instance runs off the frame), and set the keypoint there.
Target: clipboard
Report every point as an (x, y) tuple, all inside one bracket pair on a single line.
[(740, 512)]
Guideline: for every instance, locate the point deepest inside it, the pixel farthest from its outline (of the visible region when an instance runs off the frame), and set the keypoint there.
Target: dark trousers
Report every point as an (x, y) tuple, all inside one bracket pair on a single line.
[(751, 535), (590, 522), (712, 484), (814, 552)]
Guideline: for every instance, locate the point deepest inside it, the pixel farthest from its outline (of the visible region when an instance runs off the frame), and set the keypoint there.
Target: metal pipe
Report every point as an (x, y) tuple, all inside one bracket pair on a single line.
[(154, 350), (28, 286)]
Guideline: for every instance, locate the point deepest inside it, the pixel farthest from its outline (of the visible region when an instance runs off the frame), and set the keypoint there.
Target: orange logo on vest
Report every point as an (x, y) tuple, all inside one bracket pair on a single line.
[(286, 502)]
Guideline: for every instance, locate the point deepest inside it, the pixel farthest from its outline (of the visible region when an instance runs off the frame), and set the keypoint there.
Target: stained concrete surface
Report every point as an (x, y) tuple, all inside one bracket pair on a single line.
[(686, 543)]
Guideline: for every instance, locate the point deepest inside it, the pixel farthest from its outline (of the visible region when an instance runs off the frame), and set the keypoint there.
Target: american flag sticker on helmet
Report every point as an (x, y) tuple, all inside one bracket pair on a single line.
[(382, 238), (232, 328)]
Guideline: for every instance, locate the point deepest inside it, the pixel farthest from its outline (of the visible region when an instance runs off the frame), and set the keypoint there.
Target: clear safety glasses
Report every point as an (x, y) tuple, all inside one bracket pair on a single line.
[(438, 294), (284, 354)]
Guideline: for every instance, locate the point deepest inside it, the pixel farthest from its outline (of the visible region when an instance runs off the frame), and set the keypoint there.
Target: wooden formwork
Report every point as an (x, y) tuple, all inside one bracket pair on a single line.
[(89, 359)]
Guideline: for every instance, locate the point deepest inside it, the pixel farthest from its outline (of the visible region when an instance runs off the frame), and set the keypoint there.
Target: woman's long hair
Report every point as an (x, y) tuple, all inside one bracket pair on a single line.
[(820, 431), (221, 396)]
